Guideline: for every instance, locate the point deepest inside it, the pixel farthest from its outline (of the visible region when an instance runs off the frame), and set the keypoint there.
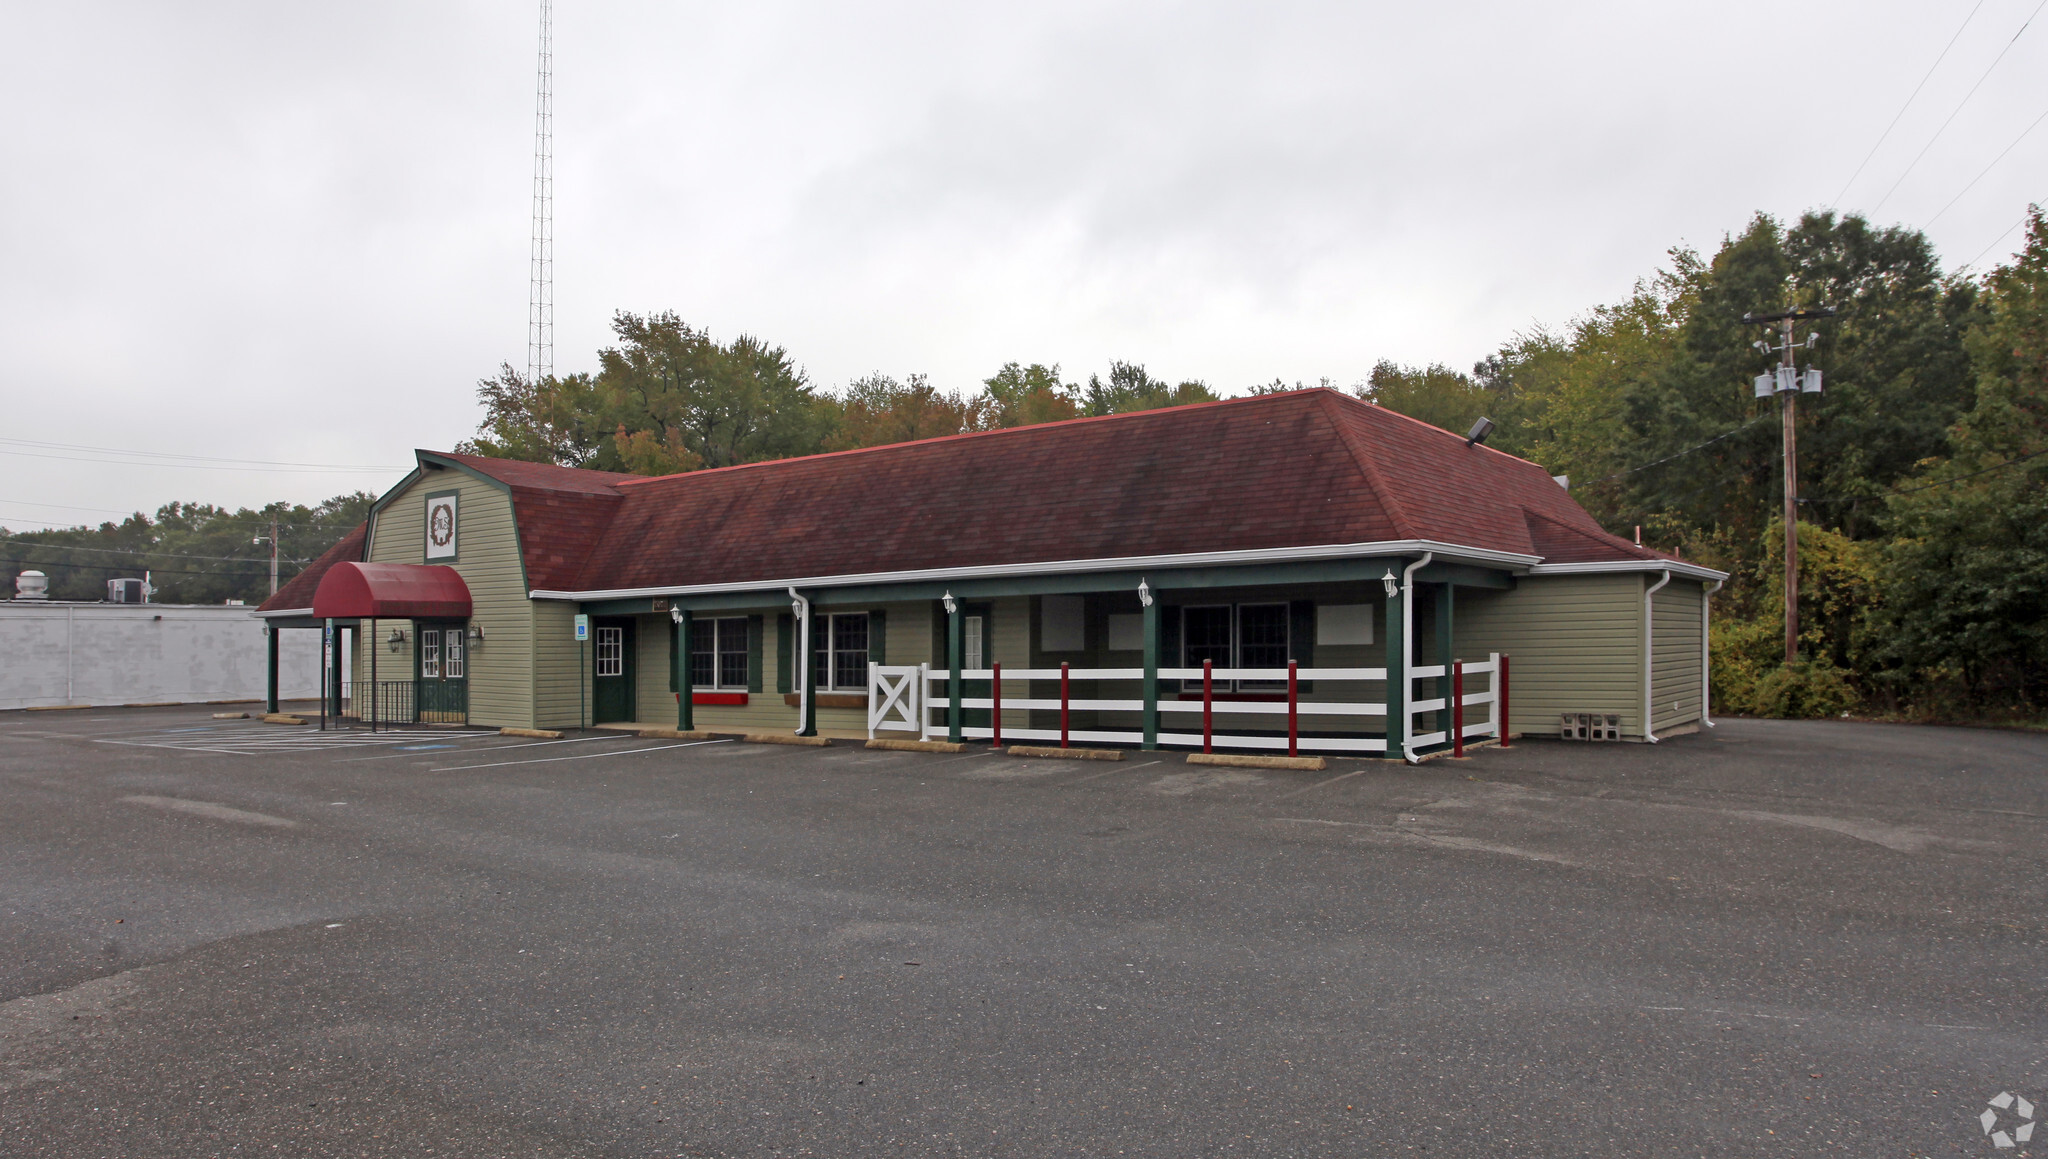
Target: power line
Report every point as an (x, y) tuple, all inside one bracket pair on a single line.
[(1987, 169), (2003, 234), (1909, 104), (155, 554), (1681, 454), (1959, 107), (1931, 486), (170, 459)]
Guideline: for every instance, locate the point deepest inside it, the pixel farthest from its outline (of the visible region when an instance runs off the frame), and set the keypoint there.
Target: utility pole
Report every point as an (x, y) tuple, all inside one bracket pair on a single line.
[(1788, 384), (272, 538)]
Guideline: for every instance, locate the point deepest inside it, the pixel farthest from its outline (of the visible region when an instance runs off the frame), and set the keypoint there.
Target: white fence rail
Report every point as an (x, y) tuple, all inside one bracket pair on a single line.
[(917, 700)]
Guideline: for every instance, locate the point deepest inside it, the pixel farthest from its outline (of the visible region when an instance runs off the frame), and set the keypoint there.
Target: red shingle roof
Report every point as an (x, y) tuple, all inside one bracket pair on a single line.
[(1292, 470), (562, 513)]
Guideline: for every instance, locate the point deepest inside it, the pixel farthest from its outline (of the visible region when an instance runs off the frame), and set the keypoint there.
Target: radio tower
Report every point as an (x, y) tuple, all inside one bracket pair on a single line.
[(540, 309)]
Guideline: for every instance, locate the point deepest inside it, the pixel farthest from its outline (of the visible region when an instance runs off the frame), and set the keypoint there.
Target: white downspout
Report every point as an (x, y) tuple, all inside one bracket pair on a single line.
[(801, 605), (1706, 656), (1408, 655), (1650, 655)]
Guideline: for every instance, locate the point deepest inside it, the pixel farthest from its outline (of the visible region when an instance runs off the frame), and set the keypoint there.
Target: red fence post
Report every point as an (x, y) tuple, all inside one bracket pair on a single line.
[(1292, 732), (995, 717), (1063, 704), (1208, 704), (1457, 708), (1500, 725)]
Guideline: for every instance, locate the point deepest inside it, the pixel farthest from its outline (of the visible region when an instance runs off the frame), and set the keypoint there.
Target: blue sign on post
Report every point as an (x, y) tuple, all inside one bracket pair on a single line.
[(582, 627)]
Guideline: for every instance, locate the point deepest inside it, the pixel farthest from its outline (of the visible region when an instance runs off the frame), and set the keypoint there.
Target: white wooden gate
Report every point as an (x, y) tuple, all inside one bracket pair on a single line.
[(895, 698)]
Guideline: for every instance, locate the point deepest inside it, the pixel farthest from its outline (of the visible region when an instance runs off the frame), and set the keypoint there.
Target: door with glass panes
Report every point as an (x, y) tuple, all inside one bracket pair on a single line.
[(441, 676), (611, 684)]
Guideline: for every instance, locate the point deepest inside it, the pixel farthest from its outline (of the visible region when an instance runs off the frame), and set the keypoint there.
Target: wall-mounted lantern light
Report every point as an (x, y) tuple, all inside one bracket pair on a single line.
[(1393, 585), (397, 638), (951, 606), (1144, 593), (476, 633)]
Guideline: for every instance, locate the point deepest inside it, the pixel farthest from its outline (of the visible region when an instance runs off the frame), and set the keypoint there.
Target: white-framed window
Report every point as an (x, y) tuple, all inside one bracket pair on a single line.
[(430, 654), (972, 651), (611, 651), (839, 651), (1236, 636), (451, 649), (718, 654)]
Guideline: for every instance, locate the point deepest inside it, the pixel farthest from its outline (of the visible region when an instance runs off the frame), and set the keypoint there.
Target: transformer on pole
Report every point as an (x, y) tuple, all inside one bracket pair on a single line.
[(1788, 384)]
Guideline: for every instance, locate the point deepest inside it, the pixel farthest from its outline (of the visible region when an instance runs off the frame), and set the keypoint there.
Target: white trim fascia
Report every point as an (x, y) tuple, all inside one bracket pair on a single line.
[(1675, 567), (1445, 552)]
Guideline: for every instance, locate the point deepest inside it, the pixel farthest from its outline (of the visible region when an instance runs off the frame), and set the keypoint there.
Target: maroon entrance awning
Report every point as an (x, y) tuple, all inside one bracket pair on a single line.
[(395, 591)]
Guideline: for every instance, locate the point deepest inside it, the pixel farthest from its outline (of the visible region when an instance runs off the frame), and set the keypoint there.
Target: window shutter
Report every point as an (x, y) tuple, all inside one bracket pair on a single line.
[(785, 646), (755, 626), (878, 636), (1301, 637)]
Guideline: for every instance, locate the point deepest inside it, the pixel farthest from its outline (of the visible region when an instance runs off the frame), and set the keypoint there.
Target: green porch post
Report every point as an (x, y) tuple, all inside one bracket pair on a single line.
[(1445, 611), (1397, 681), (956, 654), (686, 699), (1151, 671), (270, 671), (334, 676)]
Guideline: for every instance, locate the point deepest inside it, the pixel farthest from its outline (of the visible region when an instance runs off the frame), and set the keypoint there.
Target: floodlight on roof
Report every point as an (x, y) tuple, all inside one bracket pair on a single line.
[(1479, 431)]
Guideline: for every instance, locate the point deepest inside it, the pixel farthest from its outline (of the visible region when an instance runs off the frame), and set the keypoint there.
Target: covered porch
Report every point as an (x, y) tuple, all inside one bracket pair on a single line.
[(1356, 656)]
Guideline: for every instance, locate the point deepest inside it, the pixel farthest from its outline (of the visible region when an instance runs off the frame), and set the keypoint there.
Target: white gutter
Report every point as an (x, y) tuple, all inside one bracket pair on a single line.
[(279, 613), (1449, 552), (801, 605), (1650, 654), (1706, 657), (1674, 566), (1408, 656)]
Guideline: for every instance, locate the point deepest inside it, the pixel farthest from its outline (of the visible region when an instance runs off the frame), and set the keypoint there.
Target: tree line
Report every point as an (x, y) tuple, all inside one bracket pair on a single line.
[(192, 553)]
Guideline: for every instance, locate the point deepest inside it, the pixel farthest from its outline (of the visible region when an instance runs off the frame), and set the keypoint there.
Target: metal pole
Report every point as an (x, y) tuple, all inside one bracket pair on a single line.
[(995, 716), (1457, 708), (1501, 724), (373, 674), (273, 557), (1292, 698), (1063, 704), (1788, 412), (1208, 703)]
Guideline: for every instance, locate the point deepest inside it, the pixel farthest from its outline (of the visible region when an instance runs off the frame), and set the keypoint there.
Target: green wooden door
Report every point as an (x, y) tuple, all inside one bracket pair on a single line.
[(612, 670), (441, 673)]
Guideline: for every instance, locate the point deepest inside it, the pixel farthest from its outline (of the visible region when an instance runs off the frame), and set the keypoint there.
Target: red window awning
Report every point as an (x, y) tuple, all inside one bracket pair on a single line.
[(396, 591)]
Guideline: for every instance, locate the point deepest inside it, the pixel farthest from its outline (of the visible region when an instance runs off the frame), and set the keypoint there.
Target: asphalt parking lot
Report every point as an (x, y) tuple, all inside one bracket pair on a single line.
[(226, 938)]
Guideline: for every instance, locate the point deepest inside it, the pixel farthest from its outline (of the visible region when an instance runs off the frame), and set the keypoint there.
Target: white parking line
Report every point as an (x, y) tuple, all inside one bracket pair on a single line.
[(500, 748), (576, 757)]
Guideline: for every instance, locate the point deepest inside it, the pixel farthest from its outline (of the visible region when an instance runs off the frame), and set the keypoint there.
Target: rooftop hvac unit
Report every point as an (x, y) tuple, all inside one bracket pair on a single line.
[(31, 585), (124, 591)]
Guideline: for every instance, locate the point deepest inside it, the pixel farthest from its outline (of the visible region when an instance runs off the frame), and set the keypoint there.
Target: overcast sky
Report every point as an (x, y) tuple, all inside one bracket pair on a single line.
[(299, 233)]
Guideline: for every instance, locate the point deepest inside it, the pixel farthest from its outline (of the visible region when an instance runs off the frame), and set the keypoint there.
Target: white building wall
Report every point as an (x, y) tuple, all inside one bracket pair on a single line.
[(106, 654)]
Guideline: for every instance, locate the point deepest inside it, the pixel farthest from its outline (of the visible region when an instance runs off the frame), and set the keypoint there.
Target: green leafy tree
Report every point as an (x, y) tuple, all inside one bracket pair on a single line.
[(877, 409), (1436, 394), (1965, 615), (1129, 388), (1018, 396)]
